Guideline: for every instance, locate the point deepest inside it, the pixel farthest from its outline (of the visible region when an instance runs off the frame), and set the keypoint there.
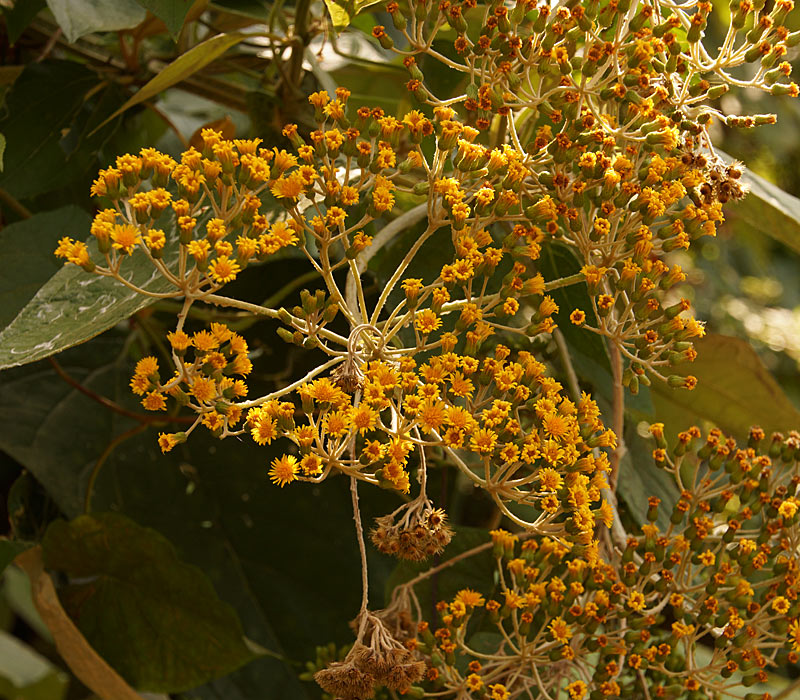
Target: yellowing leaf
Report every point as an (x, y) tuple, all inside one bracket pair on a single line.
[(342, 13), (734, 391), (182, 67)]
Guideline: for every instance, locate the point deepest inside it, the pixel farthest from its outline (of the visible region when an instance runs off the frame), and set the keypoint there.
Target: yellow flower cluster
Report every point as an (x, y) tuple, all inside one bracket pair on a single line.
[(210, 200), (206, 364), (567, 623)]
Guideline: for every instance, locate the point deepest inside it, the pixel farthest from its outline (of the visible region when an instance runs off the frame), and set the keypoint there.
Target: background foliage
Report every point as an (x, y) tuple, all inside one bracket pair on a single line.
[(224, 584)]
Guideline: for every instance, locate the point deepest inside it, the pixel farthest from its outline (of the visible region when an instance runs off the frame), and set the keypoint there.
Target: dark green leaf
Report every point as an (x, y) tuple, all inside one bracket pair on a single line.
[(26, 255), (74, 306), (734, 392), (171, 12), (40, 105), (46, 123), (182, 67), (79, 17), (9, 550), (19, 16), (26, 675), (177, 633)]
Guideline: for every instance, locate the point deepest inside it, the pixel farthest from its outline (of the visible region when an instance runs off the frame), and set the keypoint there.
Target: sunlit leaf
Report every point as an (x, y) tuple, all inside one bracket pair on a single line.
[(734, 392), (73, 306), (184, 66), (342, 12)]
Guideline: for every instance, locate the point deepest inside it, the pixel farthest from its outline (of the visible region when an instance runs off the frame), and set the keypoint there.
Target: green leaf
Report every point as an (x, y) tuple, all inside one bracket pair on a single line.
[(734, 392), (74, 306), (20, 15), (26, 675), (182, 67), (9, 550), (768, 209), (51, 107), (40, 105), (342, 12), (171, 12), (26, 255), (79, 17), (177, 633)]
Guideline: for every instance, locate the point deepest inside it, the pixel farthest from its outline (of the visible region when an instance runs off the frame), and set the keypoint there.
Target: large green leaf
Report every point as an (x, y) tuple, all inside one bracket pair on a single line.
[(74, 306), (178, 634), (26, 255), (40, 105), (50, 110), (26, 675), (734, 392), (171, 12), (79, 17), (184, 66), (768, 209), (261, 545)]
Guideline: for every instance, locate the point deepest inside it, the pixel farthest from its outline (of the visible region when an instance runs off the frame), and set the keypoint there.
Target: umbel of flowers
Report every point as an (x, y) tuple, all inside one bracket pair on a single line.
[(582, 127), (707, 605)]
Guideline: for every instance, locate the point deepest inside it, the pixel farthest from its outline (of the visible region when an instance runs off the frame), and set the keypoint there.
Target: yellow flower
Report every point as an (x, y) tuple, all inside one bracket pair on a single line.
[(284, 470), (223, 270), (125, 237), (577, 690), (154, 401), (560, 630), (427, 321)]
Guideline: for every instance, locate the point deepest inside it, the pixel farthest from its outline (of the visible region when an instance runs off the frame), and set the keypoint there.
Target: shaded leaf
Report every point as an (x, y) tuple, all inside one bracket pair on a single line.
[(178, 634), (40, 105), (50, 110), (26, 675), (19, 16), (82, 659), (9, 550), (171, 12), (79, 17), (182, 67), (26, 255), (343, 11), (734, 392), (74, 306)]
